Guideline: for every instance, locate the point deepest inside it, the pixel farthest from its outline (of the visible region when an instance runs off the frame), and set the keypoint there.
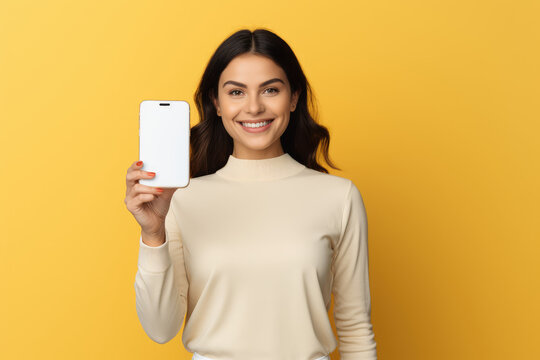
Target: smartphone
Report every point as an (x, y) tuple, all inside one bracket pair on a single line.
[(164, 142)]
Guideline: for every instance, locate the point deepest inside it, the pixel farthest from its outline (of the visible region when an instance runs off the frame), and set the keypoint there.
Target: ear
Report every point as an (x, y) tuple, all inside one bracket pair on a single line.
[(216, 105), (294, 100)]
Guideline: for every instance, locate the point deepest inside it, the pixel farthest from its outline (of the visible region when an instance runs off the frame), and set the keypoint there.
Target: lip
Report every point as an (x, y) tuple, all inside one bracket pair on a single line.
[(256, 130), (255, 121)]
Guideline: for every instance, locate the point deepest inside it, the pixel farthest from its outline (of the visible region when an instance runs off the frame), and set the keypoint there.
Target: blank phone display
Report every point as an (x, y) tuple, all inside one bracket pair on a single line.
[(164, 142)]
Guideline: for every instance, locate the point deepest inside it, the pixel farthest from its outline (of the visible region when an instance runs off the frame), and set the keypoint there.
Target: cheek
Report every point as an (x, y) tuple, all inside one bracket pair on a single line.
[(282, 106), (230, 107)]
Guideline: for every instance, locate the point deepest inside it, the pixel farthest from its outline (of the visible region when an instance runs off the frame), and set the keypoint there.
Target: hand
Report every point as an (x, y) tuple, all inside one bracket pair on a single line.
[(148, 204)]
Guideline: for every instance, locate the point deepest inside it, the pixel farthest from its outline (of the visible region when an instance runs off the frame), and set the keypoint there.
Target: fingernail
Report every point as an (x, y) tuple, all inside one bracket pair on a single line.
[(151, 173), (139, 163), (159, 190)]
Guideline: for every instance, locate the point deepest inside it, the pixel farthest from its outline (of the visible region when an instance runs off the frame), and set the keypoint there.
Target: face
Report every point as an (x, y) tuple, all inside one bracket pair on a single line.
[(254, 89)]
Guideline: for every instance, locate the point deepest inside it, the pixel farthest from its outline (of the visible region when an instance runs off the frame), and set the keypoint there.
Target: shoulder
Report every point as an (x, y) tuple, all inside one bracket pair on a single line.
[(328, 181), (343, 189)]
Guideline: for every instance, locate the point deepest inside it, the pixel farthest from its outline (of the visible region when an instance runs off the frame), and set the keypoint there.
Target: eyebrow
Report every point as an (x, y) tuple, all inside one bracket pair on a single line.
[(236, 83)]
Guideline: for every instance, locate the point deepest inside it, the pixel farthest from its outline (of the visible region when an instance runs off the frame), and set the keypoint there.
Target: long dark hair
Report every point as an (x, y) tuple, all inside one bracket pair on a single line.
[(211, 145)]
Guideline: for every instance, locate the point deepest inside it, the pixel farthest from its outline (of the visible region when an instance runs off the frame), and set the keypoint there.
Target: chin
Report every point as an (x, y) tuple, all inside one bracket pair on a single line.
[(258, 145)]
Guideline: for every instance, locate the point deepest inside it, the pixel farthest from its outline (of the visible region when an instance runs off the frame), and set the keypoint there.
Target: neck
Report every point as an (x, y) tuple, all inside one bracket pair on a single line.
[(265, 169), (249, 154)]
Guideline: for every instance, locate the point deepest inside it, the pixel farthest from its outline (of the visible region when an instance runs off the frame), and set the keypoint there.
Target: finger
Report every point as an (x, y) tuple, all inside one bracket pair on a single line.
[(168, 192), (134, 204), (144, 197), (136, 165), (137, 189), (133, 176)]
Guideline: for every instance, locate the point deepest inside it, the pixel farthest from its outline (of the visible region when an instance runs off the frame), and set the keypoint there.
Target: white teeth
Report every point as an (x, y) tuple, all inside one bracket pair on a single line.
[(256, 125)]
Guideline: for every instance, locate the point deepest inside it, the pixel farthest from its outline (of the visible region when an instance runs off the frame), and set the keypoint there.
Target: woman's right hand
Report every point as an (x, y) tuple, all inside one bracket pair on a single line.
[(148, 204)]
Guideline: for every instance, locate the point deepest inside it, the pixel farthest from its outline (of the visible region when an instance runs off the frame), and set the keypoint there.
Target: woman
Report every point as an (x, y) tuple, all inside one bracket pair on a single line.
[(252, 249)]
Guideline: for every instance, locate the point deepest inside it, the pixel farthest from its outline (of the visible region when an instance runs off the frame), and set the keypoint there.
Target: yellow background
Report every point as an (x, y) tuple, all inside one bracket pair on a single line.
[(433, 108)]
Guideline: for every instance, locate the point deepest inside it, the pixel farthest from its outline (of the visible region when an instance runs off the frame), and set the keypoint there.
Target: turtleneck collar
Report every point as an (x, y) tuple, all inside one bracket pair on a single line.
[(260, 169)]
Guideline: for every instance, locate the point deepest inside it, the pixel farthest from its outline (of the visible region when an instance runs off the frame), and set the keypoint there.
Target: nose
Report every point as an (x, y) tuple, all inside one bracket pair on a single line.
[(254, 105)]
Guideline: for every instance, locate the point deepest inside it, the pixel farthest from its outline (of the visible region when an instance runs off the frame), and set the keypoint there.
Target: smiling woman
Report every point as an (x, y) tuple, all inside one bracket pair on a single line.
[(255, 102), (251, 251)]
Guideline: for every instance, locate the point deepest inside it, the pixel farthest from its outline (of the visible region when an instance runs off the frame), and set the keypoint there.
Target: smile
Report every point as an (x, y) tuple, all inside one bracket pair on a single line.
[(257, 126)]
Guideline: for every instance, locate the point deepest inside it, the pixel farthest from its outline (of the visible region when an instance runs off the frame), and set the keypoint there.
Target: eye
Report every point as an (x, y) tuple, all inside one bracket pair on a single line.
[(233, 92), (274, 90), (237, 92)]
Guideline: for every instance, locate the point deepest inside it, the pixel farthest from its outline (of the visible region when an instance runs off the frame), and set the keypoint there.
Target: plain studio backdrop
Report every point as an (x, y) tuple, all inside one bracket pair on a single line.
[(433, 112)]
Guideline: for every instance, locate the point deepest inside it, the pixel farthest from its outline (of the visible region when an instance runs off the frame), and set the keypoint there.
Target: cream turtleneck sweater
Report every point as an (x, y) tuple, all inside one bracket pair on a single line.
[(252, 255)]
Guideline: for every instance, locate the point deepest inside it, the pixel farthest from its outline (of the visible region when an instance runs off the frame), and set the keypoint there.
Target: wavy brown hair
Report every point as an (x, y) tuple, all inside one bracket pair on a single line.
[(211, 145)]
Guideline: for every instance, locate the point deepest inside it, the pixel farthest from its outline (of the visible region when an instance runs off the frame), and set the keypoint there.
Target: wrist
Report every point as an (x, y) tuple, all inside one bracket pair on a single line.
[(153, 239)]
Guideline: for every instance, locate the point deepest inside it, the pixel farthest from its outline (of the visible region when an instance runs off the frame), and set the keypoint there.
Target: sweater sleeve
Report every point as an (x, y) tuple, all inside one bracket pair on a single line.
[(161, 285), (352, 303)]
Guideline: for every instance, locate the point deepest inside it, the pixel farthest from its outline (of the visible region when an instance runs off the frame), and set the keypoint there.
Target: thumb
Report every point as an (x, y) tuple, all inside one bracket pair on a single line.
[(168, 193)]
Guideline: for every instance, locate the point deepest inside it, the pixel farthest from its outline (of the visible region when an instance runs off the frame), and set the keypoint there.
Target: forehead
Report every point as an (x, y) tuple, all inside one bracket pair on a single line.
[(252, 69)]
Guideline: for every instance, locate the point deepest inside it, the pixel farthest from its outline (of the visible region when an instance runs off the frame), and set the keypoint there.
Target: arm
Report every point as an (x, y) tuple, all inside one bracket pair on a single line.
[(352, 302), (161, 284)]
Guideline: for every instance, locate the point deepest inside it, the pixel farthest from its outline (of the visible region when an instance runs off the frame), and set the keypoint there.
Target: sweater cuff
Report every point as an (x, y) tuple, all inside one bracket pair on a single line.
[(154, 258)]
